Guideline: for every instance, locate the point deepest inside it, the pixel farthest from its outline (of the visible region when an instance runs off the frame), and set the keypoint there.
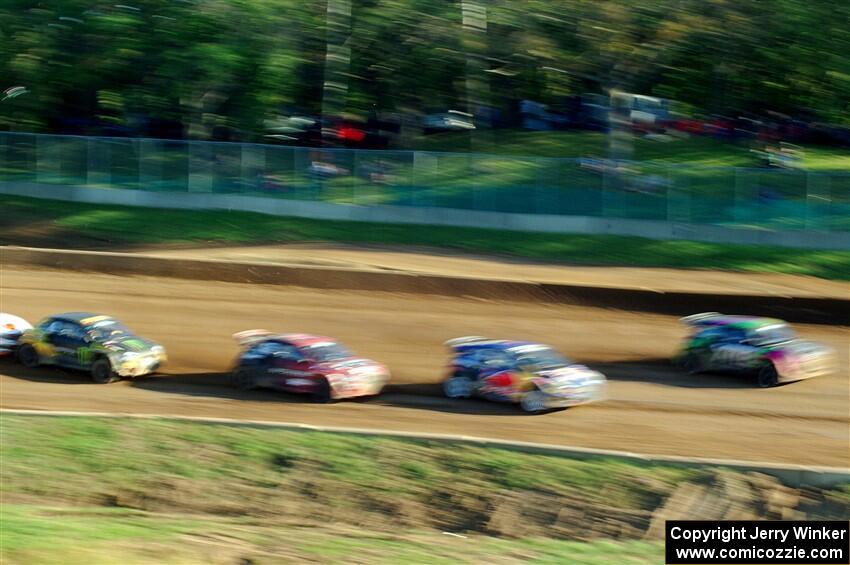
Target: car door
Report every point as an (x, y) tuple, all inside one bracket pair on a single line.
[(499, 378), (67, 339), (730, 352), (290, 369), (43, 342)]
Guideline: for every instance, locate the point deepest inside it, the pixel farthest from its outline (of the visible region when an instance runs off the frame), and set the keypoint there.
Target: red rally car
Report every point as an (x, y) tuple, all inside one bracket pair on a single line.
[(307, 364)]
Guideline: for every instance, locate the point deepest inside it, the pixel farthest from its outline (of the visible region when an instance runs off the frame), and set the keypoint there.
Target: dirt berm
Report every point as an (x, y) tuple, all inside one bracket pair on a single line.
[(794, 308)]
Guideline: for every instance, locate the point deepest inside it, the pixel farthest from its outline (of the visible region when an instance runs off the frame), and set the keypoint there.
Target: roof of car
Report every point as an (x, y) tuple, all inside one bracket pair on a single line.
[(82, 318), (304, 340), (741, 322), (500, 344)]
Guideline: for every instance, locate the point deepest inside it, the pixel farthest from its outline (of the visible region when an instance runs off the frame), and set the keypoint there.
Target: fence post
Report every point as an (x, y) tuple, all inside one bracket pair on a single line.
[(473, 182), (739, 200), (200, 175), (40, 158), (355, 170), (818, 194), (149, 165), (253, 164), (678, 197)]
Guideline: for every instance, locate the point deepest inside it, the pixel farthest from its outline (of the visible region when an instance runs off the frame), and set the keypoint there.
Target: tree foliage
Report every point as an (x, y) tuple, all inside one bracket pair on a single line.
[(236, 62)]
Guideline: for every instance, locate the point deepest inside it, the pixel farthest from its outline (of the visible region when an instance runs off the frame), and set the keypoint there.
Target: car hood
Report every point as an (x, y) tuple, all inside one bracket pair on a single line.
[(128, 344), (351, 367), (799, 347)]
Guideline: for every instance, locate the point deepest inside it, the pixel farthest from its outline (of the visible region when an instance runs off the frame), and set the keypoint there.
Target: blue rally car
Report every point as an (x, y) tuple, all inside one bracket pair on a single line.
[(533, 375)]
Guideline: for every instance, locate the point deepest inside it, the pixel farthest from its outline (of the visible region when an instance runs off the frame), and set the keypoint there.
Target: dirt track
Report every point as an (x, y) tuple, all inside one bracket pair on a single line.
[(653, 407)]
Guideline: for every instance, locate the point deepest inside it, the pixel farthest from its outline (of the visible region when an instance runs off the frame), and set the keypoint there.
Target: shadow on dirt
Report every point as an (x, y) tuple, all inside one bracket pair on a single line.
[(662, 371), (422, 396), (43, 374)]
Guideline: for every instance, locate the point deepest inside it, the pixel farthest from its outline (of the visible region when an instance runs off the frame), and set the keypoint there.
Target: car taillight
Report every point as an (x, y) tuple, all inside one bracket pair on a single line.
[(9, 326)]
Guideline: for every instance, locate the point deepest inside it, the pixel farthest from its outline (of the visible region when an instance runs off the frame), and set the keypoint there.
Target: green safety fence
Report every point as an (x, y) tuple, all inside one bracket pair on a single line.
[(753, 197)]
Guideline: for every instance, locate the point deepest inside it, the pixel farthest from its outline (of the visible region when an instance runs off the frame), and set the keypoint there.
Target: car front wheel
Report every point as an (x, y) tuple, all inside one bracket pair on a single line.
[(102, 373), (534, 401)]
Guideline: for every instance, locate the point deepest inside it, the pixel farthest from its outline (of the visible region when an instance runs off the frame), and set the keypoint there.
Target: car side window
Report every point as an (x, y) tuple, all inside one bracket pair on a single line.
[(491, 358), (712, 335), (732, 335), (73, 331), (268, 348), (290, 353)]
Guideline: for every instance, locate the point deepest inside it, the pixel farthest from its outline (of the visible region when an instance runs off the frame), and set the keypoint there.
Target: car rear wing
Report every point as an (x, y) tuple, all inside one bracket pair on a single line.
[(697, 319), (248, 338), (465, 340)]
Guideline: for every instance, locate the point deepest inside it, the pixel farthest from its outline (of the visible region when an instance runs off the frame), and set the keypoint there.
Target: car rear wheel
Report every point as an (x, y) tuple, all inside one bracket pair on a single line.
[(243, 379), (102, 373), (768, 377), (534, 401), (28, 356), (457, 387), (692, 363), (322, 393)]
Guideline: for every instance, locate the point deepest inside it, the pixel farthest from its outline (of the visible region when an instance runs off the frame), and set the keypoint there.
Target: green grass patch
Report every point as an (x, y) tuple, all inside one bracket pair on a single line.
[(47, 535), (102, 225)]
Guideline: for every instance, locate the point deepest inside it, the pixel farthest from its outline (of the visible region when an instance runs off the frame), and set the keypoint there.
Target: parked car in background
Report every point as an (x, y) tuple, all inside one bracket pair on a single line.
[(452, 120)]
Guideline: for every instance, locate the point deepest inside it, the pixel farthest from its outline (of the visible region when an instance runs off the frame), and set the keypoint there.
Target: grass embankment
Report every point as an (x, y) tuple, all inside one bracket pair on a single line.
[(89, 490), (27, 221), (97, 490)]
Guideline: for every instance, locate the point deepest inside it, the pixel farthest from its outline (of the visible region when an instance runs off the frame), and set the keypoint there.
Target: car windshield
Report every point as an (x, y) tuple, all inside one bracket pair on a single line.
[(540, 357), (772, 334), (327, 352), (107, 330)]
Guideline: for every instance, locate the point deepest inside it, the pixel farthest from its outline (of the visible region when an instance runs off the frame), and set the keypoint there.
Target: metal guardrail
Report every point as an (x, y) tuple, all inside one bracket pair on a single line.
[(736, 197)]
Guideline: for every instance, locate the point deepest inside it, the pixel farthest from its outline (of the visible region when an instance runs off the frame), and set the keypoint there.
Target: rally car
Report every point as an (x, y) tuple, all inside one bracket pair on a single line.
[(307, 364), (99, 344), (531, 374), (764, 347), (11, 328)]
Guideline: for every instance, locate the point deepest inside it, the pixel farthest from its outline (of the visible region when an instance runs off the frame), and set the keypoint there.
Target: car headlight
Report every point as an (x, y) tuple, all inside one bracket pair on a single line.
[(127, 357)]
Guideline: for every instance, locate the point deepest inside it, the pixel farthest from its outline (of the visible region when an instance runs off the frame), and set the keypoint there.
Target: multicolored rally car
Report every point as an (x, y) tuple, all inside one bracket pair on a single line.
[(11, 328), (305, 364), (531, 374), (99, 344), (765, 347)]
